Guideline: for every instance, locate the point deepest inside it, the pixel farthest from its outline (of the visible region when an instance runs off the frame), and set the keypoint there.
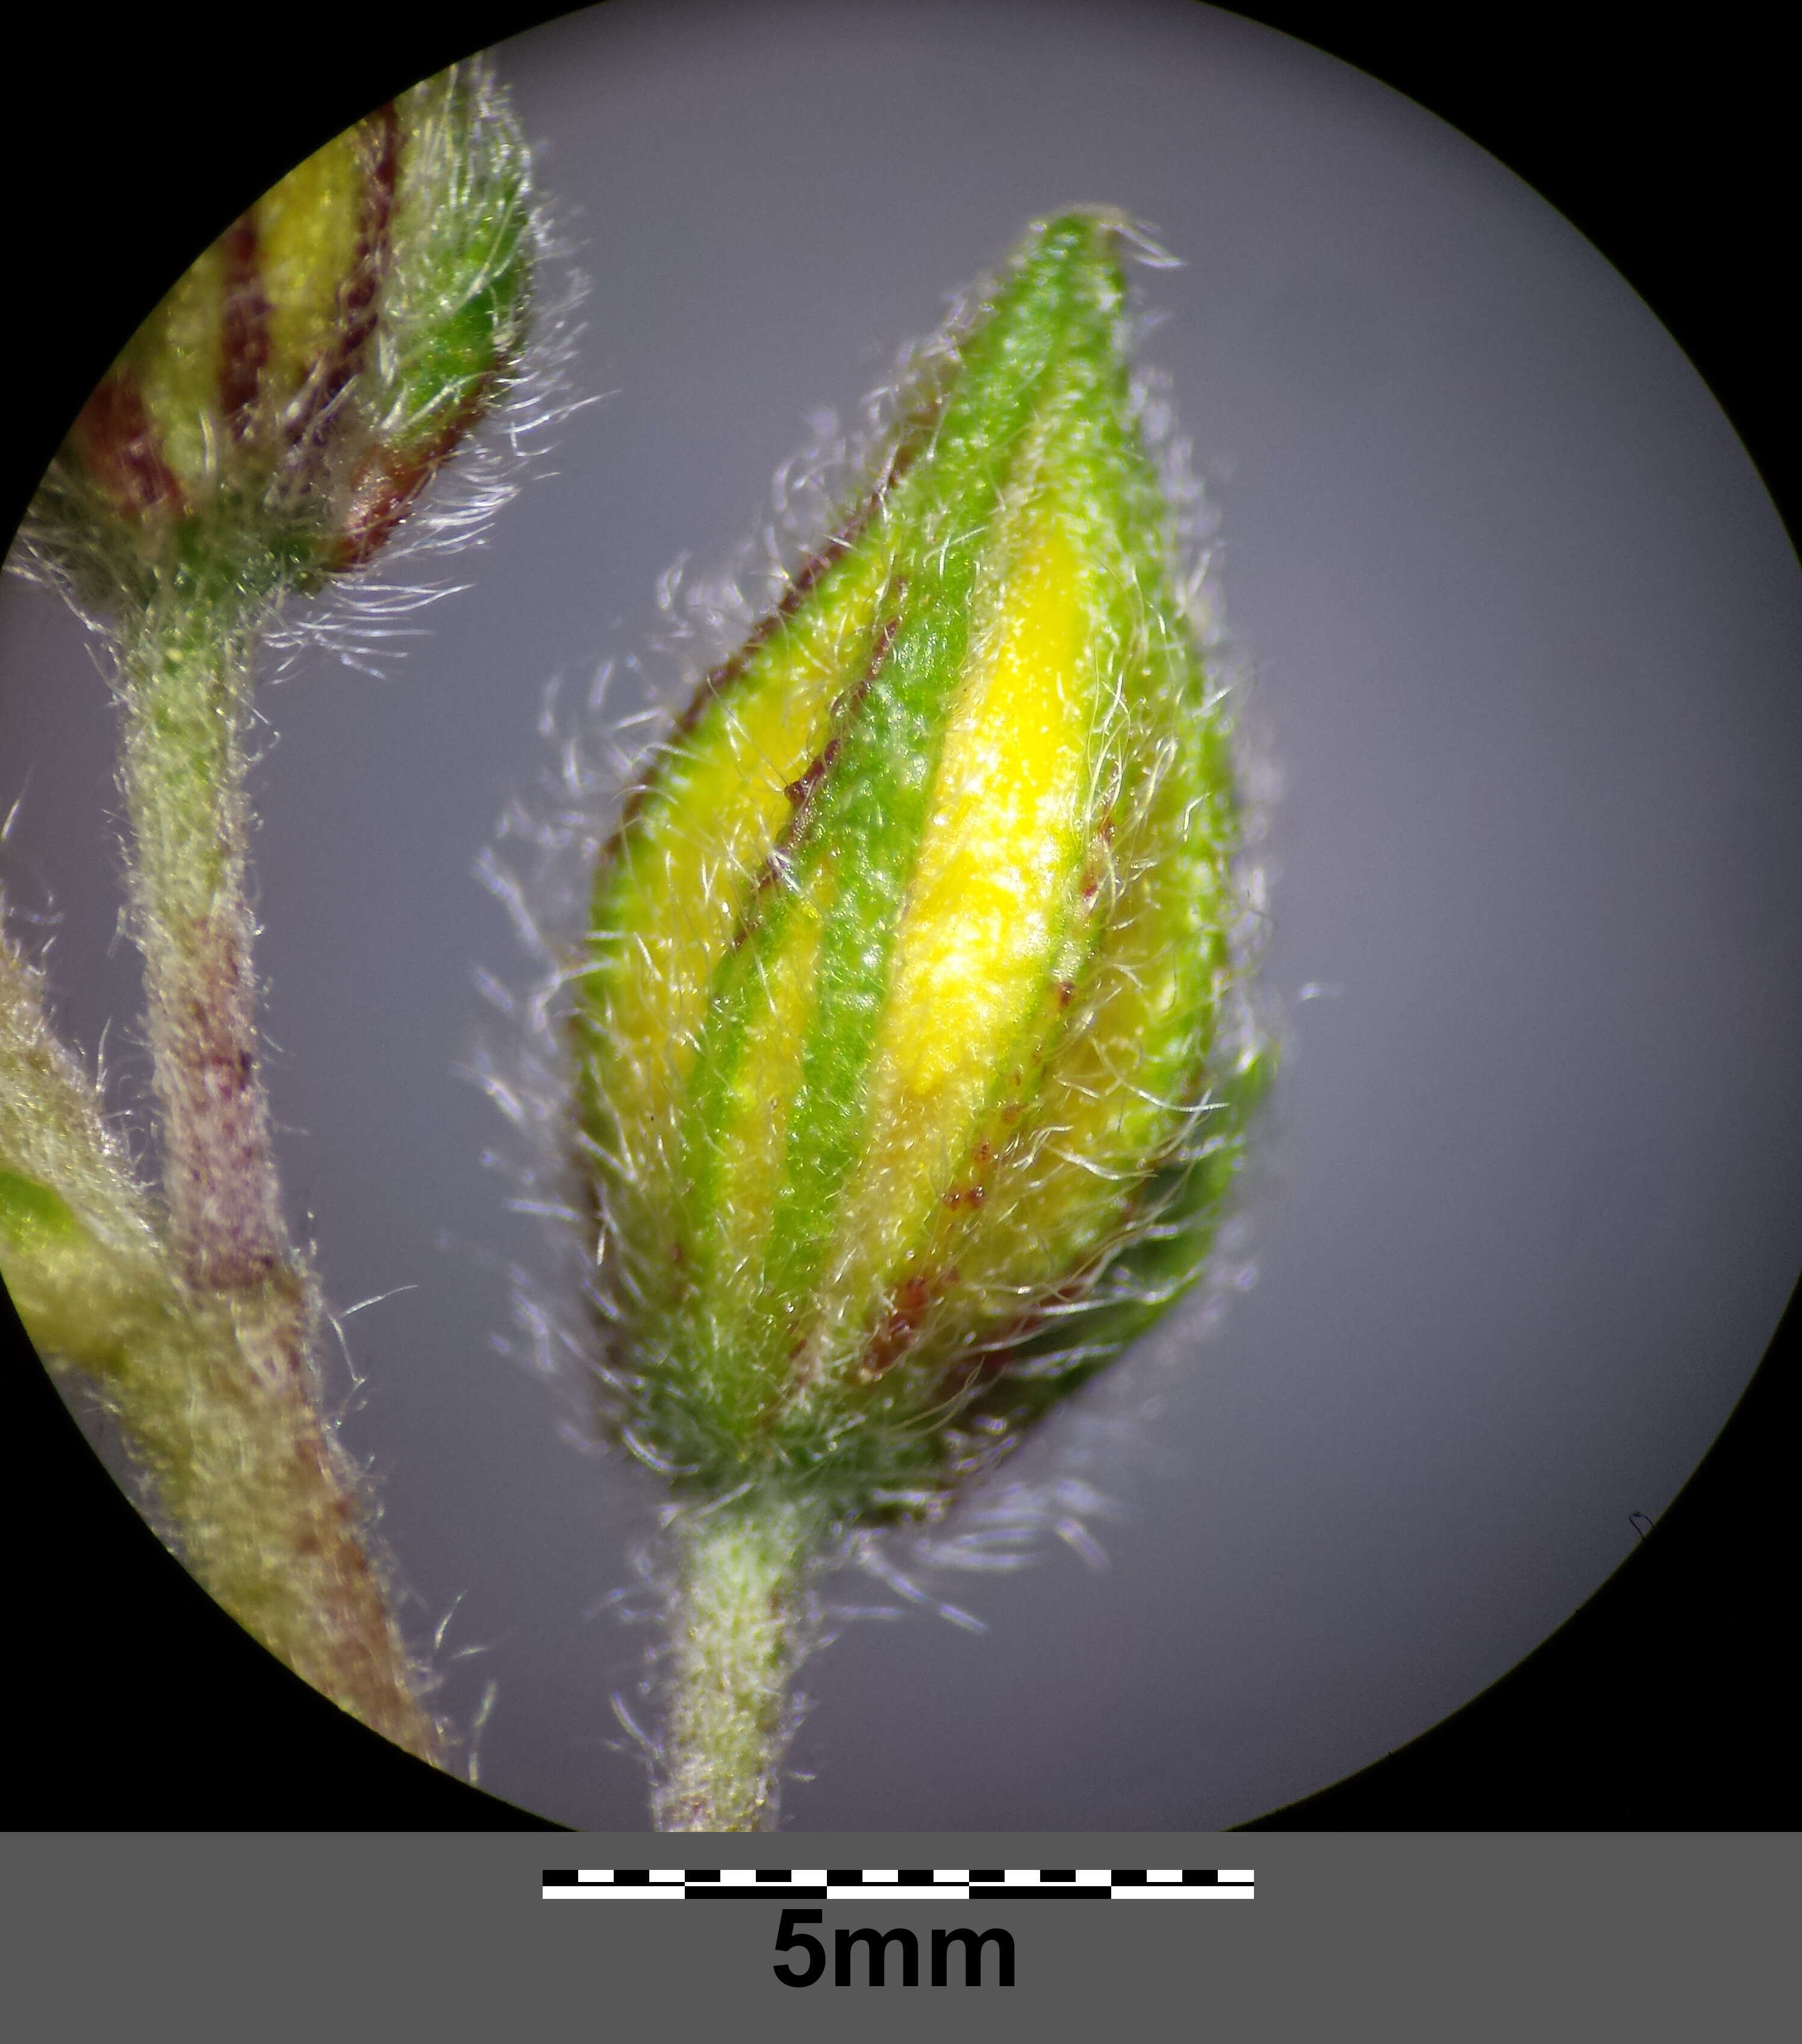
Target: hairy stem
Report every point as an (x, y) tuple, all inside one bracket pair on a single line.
[(220, 1400), (736, 1643), (184, 674), (267, 1508), (251, 1484)]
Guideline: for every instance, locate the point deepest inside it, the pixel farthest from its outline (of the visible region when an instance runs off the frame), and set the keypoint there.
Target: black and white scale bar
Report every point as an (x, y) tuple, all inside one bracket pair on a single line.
[(903, 1883)]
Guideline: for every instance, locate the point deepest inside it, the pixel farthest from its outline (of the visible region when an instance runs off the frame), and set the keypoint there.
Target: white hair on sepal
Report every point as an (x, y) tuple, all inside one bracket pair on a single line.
[(1102, 1435), (1102, 1438), (601, 738), (600, 742), (363, 620)]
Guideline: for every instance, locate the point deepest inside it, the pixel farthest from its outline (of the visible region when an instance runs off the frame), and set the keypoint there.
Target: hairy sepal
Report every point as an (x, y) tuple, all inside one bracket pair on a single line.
[(912, 1063), (279, 413)]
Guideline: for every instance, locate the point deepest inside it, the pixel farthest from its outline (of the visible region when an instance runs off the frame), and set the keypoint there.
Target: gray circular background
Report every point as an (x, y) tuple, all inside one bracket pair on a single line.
[(1524, 630)]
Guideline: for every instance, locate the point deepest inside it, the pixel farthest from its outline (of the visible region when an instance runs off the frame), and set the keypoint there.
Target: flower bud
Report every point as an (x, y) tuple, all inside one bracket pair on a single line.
[(904, 1068), (275, 417)]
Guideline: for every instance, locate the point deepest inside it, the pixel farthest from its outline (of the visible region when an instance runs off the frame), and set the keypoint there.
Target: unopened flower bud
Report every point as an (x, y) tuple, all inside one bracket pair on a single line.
[(275, 417), (904, 1068)]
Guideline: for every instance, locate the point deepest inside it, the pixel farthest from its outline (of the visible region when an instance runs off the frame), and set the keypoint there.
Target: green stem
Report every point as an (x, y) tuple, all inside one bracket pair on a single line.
[(737, 1639), (270, 1512), (185, 684), (268, 1509), (257, 1493)]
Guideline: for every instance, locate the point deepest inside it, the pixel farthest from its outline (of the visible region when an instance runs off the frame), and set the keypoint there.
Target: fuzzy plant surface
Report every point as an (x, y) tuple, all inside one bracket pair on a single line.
[(261, 436), (912, 1062)]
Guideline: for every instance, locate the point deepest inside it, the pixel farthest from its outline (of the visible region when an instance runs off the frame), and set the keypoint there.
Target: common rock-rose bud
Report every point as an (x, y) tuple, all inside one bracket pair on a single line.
[(906, 1061), (275, 417)]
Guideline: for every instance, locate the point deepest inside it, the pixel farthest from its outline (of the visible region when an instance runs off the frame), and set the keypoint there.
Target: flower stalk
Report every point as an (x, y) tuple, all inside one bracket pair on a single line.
[(185, 679), (736, 1642), (270, 1510)]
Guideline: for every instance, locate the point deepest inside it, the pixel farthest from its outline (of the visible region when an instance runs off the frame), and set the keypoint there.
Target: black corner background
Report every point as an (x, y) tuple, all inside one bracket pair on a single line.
[(126, 147)]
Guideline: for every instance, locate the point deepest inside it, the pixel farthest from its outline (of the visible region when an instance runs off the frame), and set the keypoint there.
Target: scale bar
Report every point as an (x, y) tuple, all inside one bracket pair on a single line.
[(1121, 1884)]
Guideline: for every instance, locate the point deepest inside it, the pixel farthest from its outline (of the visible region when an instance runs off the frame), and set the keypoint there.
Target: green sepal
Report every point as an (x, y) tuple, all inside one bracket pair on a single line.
[(278, 414), (912, 1070)]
